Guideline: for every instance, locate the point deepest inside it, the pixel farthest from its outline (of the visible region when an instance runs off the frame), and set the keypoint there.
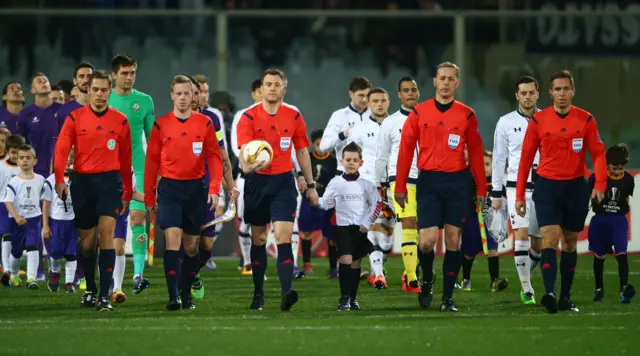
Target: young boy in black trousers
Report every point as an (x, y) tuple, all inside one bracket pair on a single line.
[(357, 204)]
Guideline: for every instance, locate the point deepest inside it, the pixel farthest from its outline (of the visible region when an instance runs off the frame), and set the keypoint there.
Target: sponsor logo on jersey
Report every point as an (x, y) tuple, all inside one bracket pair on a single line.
[(111, 144)]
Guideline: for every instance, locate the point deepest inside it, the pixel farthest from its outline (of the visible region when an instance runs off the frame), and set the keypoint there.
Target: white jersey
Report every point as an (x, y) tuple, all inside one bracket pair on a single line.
[(25, 194), (7, 171), (334, 135), (365, 134), (57, 210), (389, 148), (356, 200), (507, 147)]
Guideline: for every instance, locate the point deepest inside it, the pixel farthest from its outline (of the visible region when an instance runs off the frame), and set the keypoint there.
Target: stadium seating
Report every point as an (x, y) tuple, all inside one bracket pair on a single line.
[(317, 83)]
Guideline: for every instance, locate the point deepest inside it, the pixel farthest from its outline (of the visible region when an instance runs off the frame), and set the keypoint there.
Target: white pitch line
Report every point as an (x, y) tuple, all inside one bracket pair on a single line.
[(327, 328), (426, 316)]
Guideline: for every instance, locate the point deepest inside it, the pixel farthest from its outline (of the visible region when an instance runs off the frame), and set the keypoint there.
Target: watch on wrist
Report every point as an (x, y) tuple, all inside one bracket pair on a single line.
[(311, 185)]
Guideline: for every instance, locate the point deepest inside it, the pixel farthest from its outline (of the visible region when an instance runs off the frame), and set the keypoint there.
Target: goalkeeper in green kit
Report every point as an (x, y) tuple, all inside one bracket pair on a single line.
[(138, 108)]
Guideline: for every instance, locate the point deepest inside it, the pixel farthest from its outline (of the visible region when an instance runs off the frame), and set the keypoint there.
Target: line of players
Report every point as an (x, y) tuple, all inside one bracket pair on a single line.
[(376, 102), (366, 122), (39, 125)]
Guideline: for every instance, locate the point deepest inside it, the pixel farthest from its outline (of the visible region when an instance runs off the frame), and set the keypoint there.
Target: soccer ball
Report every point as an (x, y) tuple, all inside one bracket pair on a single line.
[(258, 151)]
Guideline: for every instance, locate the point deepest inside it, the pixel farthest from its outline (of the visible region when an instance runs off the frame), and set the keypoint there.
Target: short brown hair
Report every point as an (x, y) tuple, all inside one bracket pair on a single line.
[(563, 74), (39, 74), (377, 90), (488, 153), (277, 72), (100, 74), (446, 65), (359, 83), (352, 147), (201, 78), (4, 131), (28, 148), (15, 141), (180, 79), (526, 80)]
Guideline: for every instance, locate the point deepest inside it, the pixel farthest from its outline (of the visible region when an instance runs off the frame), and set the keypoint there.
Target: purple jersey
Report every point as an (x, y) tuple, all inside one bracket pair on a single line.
[(39, 127), (217, 127), (62, 114), (64, 111), (8, 120)]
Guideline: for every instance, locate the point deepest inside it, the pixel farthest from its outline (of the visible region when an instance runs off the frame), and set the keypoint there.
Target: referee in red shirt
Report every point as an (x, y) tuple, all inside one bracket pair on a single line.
[(178, 146), (270, 194), (561, 132), (101, 184), (440, 128)]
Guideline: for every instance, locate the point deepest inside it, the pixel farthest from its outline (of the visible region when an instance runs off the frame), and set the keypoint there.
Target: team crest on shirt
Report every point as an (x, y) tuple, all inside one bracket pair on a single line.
[(197, 148), (577, 145), (454, 141), (136, 107), (111, 144), (285, 143)]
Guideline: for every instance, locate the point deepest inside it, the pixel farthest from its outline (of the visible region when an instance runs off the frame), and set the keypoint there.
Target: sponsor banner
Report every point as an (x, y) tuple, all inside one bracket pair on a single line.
[(588, 35)]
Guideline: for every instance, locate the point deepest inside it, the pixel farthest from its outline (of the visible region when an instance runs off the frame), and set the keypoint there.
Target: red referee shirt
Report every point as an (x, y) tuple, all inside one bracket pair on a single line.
[(177, 149), (280, 130), (561, 140), (101, 142), (441, 133)]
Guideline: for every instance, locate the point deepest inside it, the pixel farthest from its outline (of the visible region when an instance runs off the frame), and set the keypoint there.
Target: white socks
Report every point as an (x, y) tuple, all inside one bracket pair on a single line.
[(244, 240), (33, 260), (118, 272), (523, 264), (55, 265), (14, 265), (70, 271), (386, 244), (295, 240), (6, 252), (376, 257)]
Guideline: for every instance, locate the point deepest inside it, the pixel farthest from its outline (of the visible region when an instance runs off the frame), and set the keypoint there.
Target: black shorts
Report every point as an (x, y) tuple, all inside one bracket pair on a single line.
[(562, 202), (443, 198), (182, 204), (270, 198), (350, 241), (95, 195)]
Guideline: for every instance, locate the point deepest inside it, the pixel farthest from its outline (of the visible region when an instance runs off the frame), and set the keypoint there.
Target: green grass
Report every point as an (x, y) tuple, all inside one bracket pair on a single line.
[(44, 323)]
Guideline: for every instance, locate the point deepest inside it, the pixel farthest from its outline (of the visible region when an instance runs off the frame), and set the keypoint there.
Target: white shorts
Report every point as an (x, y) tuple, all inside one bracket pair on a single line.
[(529, 221), (240, 202)]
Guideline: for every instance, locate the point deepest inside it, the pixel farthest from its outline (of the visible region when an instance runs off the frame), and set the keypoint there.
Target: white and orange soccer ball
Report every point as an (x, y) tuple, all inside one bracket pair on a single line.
[(258, 151)]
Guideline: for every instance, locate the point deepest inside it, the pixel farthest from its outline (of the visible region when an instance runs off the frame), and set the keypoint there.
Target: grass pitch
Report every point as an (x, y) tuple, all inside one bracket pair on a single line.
[(391, 322)]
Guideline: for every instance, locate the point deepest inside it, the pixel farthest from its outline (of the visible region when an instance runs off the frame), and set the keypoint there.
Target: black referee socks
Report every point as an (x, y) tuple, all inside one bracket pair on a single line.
[(106, 262)]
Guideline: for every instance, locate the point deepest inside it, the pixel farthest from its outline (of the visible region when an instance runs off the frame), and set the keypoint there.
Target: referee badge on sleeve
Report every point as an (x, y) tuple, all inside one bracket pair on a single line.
[(197, 148), (454, 141), (285, 143)]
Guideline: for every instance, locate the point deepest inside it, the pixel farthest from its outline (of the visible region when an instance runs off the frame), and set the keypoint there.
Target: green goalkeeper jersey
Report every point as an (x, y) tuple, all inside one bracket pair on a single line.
[(139, 110)]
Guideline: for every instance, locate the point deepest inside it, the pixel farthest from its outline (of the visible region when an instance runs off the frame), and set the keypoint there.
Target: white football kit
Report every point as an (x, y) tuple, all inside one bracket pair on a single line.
[(507, 147), (334, 134)]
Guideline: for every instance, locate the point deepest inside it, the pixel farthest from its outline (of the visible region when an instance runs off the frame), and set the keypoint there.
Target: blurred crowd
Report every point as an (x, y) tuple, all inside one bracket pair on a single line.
[(401, 42), (267, 4)]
